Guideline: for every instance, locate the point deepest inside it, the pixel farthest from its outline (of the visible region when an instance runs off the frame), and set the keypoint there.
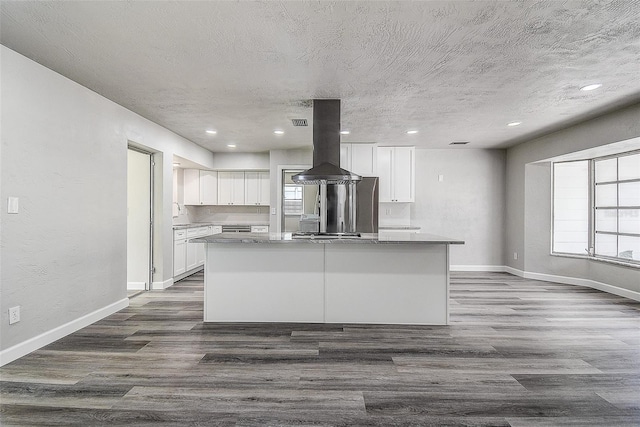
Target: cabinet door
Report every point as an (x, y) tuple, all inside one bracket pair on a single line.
[(364, 159), (345, 156), (179, 257), (200, 253), (231, 188), (192, 257), (225, 188), (252, 188), (385, 158), (191, 187), (208, 187), (265, 189), (237, 180), (404, 174)]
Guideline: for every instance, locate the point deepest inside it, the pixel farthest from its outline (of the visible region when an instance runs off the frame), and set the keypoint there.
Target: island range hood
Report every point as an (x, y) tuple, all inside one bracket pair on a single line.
[(337, 186), (326, 147)]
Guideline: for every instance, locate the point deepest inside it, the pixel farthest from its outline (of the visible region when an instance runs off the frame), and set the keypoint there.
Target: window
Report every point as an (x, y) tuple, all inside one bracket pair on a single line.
[(596, 207), (293, 199)]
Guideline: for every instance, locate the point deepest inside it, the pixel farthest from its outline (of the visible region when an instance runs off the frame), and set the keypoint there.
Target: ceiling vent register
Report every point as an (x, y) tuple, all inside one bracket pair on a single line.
[(299, 122)]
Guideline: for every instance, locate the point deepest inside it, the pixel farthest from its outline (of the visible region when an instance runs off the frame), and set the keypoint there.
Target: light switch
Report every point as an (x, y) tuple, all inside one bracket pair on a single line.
[(440, 178), (273, 211), (12, 205)]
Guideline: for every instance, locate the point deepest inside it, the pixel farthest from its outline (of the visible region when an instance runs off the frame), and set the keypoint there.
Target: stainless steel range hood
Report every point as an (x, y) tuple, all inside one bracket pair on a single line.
[(326, 147)]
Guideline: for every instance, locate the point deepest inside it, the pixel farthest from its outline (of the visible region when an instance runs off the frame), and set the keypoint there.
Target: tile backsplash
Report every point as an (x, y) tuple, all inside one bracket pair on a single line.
[(394, 214), (230, 214)]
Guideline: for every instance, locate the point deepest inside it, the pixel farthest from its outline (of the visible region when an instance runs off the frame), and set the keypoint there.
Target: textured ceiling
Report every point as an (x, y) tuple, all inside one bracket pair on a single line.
[(454, 70)]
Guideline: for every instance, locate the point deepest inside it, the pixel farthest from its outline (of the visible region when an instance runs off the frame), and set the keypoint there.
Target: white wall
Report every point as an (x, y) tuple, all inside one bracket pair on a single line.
[(64, 154), (468, 204), (241, 161), (528, 200)]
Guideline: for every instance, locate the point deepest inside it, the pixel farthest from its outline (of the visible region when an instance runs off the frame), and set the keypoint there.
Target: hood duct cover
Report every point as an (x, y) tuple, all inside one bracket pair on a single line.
[(326, 147)]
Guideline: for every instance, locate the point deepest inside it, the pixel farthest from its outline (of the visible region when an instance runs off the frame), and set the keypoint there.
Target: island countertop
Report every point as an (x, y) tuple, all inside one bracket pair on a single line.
[(388, 237)]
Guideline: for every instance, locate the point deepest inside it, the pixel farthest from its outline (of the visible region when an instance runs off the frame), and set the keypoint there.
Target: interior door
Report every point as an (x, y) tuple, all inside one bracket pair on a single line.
[(139, 221)]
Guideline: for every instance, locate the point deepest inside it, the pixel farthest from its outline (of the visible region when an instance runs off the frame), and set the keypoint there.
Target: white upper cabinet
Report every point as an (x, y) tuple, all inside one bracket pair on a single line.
[(364, 159), (360, 159), (208, 187), (345, 156), (191, 187), (396, 169), (256, 188), (200, 187), (231, 188)]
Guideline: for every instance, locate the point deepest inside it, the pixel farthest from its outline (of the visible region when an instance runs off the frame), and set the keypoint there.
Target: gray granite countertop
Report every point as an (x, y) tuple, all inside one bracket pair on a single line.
[(387, 238), (204, 224), (397, 227), (192, 225)]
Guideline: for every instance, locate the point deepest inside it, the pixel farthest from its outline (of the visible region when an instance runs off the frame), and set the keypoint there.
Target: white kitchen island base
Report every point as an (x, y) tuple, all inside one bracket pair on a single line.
[(327, 282)]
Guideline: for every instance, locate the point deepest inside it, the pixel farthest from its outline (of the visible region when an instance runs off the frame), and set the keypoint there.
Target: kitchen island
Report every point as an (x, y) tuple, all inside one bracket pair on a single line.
[(378, 278)]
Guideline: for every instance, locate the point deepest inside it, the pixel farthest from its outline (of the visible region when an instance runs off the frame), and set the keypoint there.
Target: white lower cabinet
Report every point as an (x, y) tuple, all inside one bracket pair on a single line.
[(200, 253), (192, 257), (179, 252), (189, 257)]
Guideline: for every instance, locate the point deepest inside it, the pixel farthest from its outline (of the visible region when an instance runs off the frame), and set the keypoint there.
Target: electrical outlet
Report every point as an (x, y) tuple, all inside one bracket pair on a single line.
[(515, 255), (14, 315)]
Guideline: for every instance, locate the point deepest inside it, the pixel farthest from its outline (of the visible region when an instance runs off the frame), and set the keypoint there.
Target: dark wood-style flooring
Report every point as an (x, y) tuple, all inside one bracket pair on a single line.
[(518, 352)]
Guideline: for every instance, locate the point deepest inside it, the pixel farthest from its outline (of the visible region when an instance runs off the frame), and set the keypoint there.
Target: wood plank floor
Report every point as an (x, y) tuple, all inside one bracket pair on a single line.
[(518, 353)]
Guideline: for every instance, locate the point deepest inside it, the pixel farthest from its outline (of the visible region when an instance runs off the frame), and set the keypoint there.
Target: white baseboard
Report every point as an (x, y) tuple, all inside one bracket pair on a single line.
[(611, 289), (615, 290), (162, 285), (32, 344), (136, 286), (513, 271), (585, 282), (491, 268)]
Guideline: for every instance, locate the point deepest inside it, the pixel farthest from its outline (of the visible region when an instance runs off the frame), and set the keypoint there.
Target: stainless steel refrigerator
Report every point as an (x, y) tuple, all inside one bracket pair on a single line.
[(347, 209), (367, 205)]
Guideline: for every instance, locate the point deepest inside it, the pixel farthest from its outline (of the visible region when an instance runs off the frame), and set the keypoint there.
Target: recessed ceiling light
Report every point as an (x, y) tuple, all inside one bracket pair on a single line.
[(591, 87), (412, 132), (344, 132), (278, 132), (211, 131), (231, 145), (514, 124)]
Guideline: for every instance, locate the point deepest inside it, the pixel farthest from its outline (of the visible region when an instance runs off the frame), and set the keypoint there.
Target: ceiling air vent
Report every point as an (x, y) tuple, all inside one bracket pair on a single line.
[(459, 143), (299, 122)]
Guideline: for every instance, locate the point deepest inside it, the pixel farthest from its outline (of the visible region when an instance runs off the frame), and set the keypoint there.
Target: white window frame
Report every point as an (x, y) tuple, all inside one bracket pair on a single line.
[(590, 251)]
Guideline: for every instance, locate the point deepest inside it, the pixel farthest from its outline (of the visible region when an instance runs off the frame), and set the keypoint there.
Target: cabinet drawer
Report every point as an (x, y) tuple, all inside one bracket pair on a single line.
[(259, 228), (196, 232), (179, 234)]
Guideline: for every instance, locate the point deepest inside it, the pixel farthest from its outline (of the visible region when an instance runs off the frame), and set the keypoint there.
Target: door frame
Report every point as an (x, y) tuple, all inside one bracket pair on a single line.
[(280, 185), (150, 268)]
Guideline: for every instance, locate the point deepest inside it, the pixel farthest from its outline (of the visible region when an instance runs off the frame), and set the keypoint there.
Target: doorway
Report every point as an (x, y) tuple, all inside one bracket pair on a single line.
[(139, 220), (297, 199)]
